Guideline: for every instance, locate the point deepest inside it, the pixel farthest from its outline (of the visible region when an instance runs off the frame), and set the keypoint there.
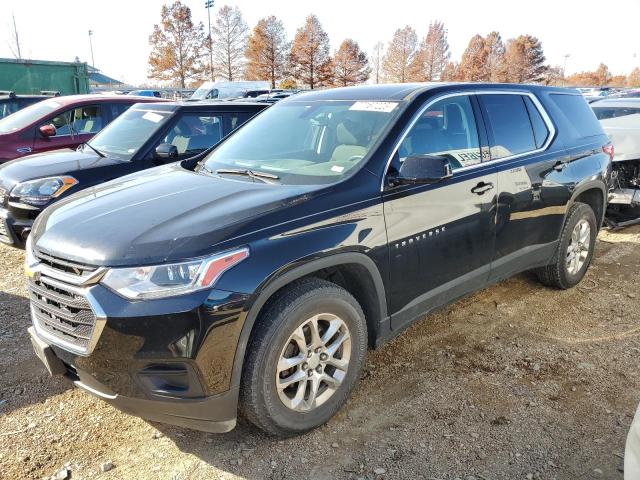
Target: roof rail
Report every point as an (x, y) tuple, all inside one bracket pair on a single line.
[(11, 93), (51, 93)]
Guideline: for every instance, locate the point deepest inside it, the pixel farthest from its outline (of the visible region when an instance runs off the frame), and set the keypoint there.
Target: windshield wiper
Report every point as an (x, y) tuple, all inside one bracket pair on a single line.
[(264, 176), (94, 149)]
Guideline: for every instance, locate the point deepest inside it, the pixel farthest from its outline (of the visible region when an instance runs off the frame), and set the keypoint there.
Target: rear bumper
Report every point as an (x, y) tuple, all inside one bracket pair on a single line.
[(216, 413)]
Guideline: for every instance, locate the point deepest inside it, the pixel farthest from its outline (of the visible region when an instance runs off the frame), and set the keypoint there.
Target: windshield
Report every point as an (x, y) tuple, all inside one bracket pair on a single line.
[(124, 136), (202, 93), (306, 142), (28, 115)]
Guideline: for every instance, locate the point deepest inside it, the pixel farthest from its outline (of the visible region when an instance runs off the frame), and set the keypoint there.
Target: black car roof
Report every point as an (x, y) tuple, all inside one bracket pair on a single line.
[(213, 106), (408, 91)]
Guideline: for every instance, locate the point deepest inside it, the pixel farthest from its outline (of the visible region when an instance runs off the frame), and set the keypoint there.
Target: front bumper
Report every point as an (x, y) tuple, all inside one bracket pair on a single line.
[(13, 231), (215, 413)]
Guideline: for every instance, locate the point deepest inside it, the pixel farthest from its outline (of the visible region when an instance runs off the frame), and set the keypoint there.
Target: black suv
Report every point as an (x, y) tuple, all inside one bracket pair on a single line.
[(259, 276), (145, 136)]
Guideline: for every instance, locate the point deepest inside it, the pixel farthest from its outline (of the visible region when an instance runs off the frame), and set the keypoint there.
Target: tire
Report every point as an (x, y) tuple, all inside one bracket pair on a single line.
[(560, 273), (292, 310)]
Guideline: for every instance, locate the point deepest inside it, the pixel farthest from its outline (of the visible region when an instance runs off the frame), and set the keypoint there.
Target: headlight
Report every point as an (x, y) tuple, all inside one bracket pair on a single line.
[(41, 191), (173, 279)]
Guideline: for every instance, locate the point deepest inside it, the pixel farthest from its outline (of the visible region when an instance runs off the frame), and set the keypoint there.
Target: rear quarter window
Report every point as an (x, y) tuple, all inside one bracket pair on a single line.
[(580, 118)]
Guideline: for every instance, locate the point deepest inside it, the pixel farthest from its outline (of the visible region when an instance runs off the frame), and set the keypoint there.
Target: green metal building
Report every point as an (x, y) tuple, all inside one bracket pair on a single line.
[(34, 76)]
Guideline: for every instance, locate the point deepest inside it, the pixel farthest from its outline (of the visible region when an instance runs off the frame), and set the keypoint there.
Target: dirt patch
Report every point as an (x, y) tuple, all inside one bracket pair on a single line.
[(516, 381)]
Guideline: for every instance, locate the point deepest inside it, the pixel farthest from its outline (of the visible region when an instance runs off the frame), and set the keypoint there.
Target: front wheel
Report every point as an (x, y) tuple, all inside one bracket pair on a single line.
[(304, 358), (575, 249)]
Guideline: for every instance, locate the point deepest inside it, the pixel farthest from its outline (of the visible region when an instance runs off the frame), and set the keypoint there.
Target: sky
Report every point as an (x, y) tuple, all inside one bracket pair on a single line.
[(589, 32)]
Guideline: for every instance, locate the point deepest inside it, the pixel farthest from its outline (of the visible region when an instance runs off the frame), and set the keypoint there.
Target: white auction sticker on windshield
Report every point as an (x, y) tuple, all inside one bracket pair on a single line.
[(374, 106), (152, 117)]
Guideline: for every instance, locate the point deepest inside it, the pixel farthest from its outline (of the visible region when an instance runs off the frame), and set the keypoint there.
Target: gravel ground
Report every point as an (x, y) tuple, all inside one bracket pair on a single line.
[(515, 382)]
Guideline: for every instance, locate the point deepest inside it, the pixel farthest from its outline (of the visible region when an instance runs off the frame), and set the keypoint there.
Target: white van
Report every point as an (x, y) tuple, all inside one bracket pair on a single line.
[(216, 90)]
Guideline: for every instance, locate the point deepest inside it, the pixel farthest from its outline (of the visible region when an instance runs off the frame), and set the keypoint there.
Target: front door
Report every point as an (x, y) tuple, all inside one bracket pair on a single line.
[(73, 127), (441, 236)]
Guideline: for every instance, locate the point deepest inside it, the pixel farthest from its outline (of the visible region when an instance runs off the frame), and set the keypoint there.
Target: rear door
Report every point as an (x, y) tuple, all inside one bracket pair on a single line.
[(441, 235), (534, 182)]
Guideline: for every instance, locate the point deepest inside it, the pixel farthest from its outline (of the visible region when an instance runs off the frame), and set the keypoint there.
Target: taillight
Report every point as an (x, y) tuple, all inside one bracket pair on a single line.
[(609, 150)]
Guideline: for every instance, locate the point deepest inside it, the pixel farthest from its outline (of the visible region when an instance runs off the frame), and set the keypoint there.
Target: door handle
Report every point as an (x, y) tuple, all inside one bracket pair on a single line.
[(560, 165), (482, 187)]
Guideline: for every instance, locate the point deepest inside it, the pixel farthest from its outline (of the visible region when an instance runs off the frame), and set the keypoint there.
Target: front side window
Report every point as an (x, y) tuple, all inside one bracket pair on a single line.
[(194, 132), (123, 137), (448, 129), (315, 142), (86, 119), (62, 122), (510, 124)]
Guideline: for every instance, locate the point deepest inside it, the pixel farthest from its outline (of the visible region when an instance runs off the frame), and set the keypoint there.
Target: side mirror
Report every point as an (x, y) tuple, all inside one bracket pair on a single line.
[(423, 169), (166, 151), (47, 131)]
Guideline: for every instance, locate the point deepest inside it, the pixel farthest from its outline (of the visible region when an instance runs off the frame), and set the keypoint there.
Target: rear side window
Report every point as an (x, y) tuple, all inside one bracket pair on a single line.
[(579, 115), (540, 130), (509, 121)]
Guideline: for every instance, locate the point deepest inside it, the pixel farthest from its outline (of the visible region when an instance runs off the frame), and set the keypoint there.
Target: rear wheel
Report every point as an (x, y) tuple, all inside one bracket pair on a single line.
[(304, 358), (575, 249)]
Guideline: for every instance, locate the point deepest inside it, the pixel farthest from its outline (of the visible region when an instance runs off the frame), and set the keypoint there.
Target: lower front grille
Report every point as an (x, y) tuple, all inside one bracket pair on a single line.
[(5, 236), (62, 313)]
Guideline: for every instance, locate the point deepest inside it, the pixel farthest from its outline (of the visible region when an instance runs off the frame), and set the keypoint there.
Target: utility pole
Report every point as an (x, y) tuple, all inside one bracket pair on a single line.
[(209, 5), (93, 63), (564, 67)]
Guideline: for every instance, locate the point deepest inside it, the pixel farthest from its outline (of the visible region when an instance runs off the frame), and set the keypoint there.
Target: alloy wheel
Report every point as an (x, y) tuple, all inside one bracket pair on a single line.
[(578, 249), (313, 362)]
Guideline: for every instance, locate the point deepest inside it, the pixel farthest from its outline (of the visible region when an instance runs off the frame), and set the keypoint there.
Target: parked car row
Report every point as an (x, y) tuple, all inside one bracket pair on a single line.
[(145, 136), (254, 275), (620, 118)]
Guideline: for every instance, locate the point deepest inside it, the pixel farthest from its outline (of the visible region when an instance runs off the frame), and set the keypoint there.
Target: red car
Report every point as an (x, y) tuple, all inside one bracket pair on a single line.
[(60, 122)]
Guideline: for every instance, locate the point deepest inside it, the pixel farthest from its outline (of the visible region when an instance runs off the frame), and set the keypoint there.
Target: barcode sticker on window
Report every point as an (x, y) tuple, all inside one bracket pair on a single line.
[(152, 117), (374, 106)]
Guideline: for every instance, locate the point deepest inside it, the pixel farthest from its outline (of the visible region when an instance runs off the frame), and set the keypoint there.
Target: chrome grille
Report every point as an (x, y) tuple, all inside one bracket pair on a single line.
[(66, 266), (62, 313)]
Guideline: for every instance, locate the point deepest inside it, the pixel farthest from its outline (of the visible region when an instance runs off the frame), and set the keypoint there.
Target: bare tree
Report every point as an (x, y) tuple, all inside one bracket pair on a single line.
[(177, 46), (309, 58), (496, 70), (473, 65), (524, 60), (15, 48), (432, 56), (399, 55), (376, 61), (267, 51), (229, 43), (350, 64)]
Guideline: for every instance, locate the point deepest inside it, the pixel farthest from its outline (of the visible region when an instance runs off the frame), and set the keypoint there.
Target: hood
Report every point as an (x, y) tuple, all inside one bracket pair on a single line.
[(48, 164), (163, 214), (624, 133)]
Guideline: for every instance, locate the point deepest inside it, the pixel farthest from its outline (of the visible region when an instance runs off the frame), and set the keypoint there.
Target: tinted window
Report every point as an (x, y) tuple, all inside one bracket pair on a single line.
[(194, 133), (510, 124), (602, 113), (540, 130), (580, 117), (118, 109), (447, 128)]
